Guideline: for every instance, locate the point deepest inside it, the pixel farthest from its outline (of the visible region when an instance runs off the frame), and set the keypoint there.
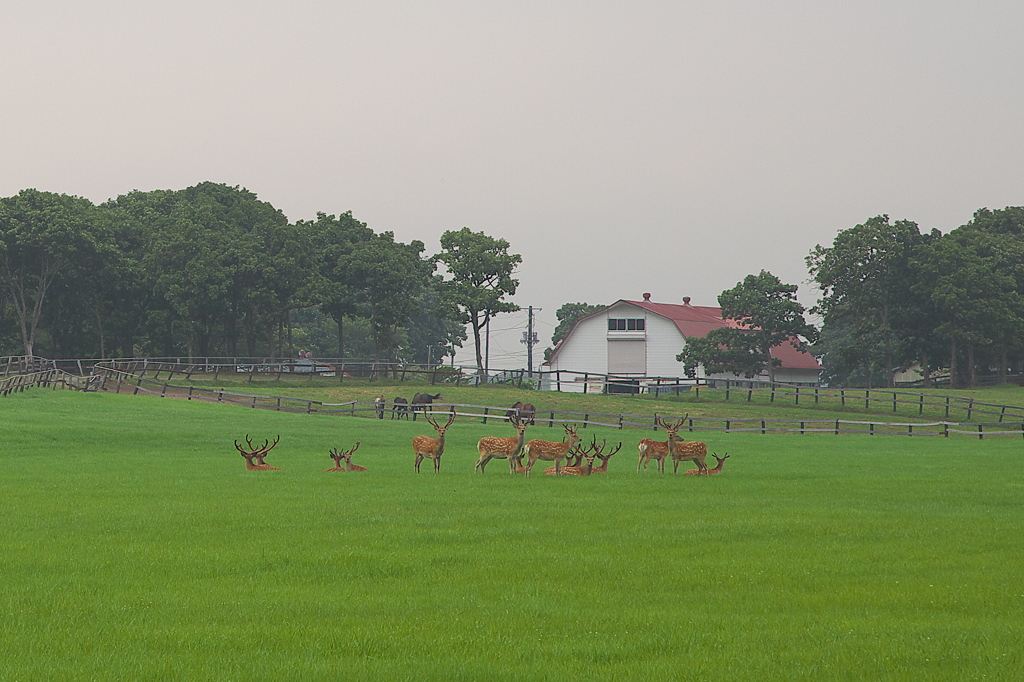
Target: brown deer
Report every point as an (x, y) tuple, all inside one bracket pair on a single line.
[(687, 451), (709, 472), (580, 463), (347, 456), (431, 448), (491, 447), (548, 450), (604, 458), (658, 450), (254, 455)]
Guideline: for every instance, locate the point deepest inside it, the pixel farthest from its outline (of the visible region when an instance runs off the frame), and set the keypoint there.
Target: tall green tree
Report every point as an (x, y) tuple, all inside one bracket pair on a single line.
[(864, 283), (481, 271), (45, 237), (766, 313)]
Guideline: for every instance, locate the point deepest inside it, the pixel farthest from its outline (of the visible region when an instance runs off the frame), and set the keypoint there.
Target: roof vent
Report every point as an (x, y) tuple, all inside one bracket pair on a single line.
[(647, 297), (686, 300)]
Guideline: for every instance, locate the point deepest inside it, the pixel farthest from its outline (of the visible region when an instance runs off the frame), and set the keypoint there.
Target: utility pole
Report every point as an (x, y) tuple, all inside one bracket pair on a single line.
[(530, 339)]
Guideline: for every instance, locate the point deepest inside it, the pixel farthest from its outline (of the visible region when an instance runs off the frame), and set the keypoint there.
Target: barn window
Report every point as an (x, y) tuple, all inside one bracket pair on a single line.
[(635, 324)]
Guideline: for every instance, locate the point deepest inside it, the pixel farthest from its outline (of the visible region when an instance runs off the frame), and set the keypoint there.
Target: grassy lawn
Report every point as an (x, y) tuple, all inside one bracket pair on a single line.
[(136, 546)]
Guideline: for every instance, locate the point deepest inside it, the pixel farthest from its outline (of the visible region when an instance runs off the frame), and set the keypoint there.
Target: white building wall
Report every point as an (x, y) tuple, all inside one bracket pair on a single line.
[(664, 342)]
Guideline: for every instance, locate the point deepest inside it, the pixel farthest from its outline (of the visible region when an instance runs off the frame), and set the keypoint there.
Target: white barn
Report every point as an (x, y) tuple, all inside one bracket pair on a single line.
[(641, 339)]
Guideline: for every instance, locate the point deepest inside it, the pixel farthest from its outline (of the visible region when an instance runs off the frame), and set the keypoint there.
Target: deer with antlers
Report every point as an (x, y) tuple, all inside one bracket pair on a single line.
[(658, 450), (431, 448), (491, 447), (687, 451), (603, 457), (344, 455), (254, 455), (709, 472), (548, 450)]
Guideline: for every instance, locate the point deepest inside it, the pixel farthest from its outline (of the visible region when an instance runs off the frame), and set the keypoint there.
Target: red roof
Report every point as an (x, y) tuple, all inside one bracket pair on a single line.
[(698, 320)]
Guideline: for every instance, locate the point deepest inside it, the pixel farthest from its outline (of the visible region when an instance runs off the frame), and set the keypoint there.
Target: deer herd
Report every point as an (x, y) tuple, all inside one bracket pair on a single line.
[(579, 459)]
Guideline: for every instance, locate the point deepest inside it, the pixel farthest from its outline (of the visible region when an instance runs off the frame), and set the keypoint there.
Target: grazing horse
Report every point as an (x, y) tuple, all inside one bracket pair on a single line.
[(400, 408), (524, 412), (420, 402)]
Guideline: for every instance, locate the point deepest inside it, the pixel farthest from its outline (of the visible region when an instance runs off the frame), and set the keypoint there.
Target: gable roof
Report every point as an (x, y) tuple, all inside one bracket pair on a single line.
[(697, 321)]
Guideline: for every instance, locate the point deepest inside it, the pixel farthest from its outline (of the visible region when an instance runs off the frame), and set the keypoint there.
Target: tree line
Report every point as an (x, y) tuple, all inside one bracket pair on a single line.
[(211, 270), (891, 298)]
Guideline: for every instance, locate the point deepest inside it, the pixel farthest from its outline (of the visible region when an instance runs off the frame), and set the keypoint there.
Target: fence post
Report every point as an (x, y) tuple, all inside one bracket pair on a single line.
[(981, 436), (727, 385), (842, 397), (1001, 413), (815, 395), (801, 428), (620, 422), (920, 409), (163, 393), (727, 424), (773, 393), (894, 402), (762, 428), (551, 423), (910, 429), (837, 427), (871, 428), (486, 412), (970, 409), (867, 399), (947, 407), (945, 430)]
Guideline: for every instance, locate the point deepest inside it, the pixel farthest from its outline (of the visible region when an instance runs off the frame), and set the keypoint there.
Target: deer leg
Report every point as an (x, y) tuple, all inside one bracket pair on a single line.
[(437, 464), (419, 458), (481, 463)]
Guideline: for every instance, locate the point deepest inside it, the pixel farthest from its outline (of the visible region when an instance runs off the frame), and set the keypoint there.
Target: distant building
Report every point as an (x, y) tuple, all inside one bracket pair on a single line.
[(641, 339)]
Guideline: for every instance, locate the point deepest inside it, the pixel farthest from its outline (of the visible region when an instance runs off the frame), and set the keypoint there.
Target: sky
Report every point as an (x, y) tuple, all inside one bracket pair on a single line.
[(670, 147)]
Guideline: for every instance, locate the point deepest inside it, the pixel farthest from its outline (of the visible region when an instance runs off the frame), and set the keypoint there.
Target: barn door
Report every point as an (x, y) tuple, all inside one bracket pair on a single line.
[(627, 357)]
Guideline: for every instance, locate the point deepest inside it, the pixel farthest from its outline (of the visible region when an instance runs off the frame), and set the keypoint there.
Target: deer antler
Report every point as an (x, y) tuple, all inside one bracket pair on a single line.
[(356, 447)]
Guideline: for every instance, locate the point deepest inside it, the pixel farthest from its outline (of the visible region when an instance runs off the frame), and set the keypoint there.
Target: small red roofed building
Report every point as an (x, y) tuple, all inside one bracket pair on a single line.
[(640, 340)]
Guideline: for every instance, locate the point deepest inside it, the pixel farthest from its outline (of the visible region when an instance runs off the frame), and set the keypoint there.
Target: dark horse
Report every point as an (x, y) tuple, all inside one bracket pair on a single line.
[(524, 412), (400, 408), (420, 402)]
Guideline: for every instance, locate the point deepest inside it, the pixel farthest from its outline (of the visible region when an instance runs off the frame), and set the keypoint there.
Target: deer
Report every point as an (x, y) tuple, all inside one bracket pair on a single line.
[(254, 455), (687, 451), (709, 472), (548, 450), (491, 447), (604, 458), (575, 463), (344, 455), (653, 449), (431, 448)]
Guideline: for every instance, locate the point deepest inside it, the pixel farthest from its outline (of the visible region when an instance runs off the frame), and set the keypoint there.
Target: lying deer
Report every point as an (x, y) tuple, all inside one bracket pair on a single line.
[(709, 472), (658, 450), (254, 456), (548, 450), (582, 464), (604, 458), (491, 447), (431, 448), (344, 455)]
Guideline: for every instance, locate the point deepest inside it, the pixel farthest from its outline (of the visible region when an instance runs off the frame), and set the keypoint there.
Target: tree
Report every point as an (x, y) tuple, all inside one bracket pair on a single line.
[(864, 285), (567, 316), (481, 276), (43, 237), (766, 313)]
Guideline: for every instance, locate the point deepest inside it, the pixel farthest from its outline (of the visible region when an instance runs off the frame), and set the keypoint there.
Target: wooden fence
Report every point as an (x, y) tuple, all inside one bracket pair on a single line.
[(121, 382), (48, 378)]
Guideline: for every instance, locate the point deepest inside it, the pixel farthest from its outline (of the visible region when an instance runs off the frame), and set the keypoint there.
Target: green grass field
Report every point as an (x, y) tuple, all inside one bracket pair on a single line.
[(136, 546)]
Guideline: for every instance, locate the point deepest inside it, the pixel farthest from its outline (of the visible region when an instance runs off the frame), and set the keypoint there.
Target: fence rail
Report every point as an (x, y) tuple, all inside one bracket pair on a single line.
[(122, 382)]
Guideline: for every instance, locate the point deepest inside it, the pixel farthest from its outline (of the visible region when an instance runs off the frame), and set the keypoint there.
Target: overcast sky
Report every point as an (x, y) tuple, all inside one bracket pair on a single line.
[(621, 147)]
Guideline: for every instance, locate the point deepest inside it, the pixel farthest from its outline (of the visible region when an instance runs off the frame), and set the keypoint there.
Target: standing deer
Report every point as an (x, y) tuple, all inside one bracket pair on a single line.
[(431, 448), (347, 456), (658, 450), (687, 451), (502, 448), (548, 450), (254, 456), (709, 472)]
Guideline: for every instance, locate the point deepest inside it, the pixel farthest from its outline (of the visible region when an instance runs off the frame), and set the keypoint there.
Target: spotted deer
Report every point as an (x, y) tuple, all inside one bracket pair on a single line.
[(658, 450), (254, 455), (582, 464), (548, 450), (345, 455), (604, 458), (688, 451), (431, 448), (491, 447), (709, 472)]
